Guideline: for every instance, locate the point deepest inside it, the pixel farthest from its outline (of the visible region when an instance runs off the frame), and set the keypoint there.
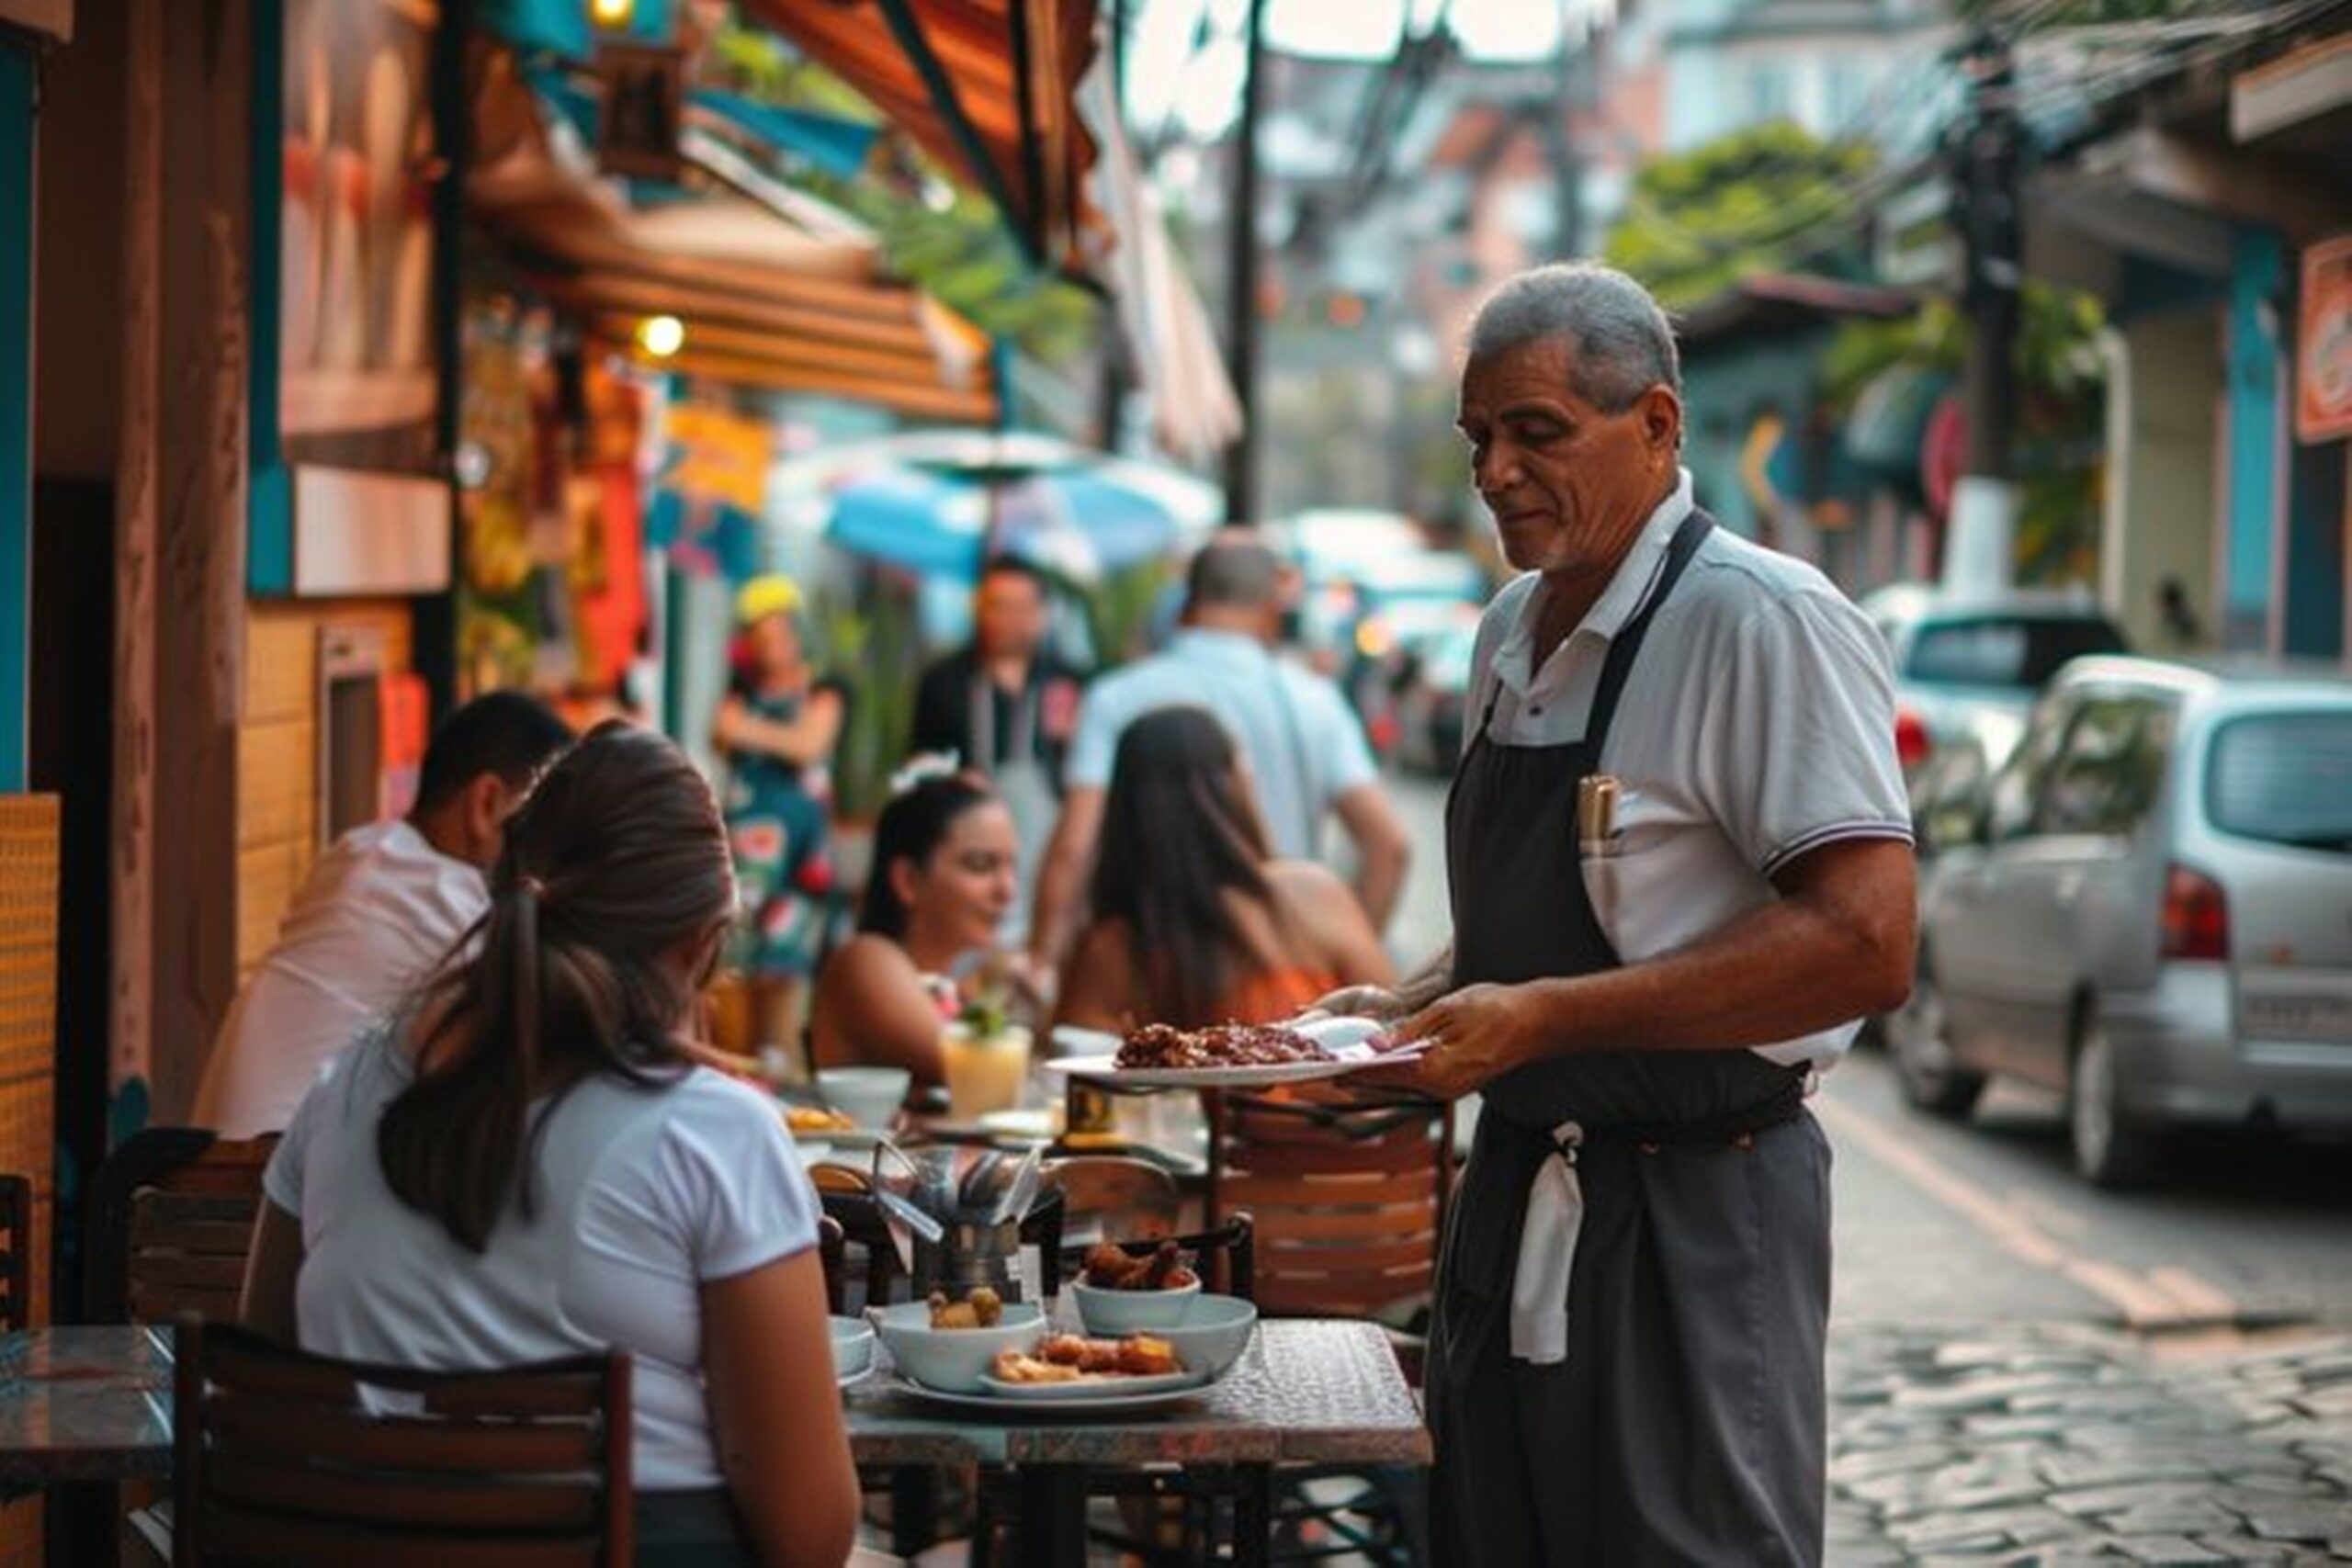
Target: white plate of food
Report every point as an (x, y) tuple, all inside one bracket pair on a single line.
[(1104, 1396), (1231, 1055)]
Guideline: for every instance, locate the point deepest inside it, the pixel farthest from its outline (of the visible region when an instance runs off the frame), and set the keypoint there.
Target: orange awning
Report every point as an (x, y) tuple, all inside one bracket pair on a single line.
[(765, 303), (986, 86)]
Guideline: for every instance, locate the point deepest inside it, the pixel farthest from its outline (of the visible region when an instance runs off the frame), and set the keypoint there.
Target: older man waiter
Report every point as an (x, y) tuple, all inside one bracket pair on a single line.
[(1679, 851)]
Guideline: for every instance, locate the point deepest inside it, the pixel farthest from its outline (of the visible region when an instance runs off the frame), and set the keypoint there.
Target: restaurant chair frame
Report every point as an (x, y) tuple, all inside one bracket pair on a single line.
[(170, 1221), (276, 1458), (15, 1252)]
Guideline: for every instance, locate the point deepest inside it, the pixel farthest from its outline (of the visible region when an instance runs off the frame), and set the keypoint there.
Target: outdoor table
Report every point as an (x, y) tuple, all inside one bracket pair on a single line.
[(94, 1403), (1307, 1391), (85, 1403)]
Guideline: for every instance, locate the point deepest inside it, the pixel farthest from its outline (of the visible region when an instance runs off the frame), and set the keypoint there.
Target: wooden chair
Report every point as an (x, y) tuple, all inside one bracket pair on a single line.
[(15, 1252), (284, 1457), (171, 1221), (1110, 1195), (1346, 1200)]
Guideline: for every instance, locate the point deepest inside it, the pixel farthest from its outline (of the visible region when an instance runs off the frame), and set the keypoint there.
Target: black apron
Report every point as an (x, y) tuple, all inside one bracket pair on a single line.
[(1686, 1424)]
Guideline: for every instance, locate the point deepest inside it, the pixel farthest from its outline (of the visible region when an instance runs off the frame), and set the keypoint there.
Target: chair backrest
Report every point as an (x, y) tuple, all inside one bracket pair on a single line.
[(171, 1221), (15, 1252), (1346, 1201), (864, 1266), (1106, 1195), (280, 1457)]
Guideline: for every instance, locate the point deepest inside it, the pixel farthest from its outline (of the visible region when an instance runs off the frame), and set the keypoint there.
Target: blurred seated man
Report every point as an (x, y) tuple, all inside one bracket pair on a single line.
[(381, 907)]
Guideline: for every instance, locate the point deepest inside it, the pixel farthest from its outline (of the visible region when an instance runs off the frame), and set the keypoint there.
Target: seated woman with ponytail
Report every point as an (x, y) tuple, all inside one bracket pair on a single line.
[(526, 1162)]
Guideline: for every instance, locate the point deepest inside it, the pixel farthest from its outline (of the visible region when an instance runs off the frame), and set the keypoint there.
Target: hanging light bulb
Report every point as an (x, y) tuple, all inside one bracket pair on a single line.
[(660, 336), (612, 13)]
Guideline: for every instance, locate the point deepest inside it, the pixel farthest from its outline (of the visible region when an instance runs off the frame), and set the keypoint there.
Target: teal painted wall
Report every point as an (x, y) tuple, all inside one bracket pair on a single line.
[(2254, 370), (20, 81), (2316, 521), (1725, 388)]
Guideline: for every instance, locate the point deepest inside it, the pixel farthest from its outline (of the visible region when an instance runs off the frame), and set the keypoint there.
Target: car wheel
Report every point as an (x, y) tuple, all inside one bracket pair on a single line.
[(1932, 1078), (2110, 1150)]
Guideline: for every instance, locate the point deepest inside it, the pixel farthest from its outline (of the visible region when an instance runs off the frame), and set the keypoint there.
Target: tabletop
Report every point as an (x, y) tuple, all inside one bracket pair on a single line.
[(1307, 1391), (85, 1403), (88, 1404)]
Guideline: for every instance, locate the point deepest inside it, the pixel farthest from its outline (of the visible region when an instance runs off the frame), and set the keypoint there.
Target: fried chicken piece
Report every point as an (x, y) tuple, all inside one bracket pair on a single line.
[(987, 1306), (1012, 1366), (1141, 1356)]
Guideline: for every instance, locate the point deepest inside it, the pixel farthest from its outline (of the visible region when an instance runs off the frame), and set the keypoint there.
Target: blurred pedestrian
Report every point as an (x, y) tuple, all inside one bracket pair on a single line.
[(777, 728), (1305, 750), (1678, 847), (1193, 920), (1006, 707), (943, 876), (381, 907)]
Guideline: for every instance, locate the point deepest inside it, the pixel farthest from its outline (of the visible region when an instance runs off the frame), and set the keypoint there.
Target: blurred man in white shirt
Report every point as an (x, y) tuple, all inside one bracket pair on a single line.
[(381, 909)]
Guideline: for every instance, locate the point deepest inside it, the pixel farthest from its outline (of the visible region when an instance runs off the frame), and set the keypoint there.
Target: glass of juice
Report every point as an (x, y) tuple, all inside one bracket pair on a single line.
[(985, 1072)]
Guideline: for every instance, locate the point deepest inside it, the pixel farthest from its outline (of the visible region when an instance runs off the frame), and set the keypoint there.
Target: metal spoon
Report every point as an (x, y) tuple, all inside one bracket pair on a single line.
[(979, 1194), (1022, 1190), (908, 1214)]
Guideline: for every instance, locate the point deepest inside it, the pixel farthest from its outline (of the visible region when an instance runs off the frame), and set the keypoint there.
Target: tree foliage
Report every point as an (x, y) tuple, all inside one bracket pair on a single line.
[(1761, 199)]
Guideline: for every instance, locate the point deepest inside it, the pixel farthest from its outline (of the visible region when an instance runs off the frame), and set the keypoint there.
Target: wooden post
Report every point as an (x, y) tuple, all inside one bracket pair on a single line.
[(188, 273)]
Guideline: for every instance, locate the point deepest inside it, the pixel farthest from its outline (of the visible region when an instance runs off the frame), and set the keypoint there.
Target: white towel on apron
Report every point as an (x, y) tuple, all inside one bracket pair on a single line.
[(1547, 1253)]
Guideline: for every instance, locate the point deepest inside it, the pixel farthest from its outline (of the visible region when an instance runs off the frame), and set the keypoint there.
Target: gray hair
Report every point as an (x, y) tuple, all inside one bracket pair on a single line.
[(1622, 342), (1235, 569)]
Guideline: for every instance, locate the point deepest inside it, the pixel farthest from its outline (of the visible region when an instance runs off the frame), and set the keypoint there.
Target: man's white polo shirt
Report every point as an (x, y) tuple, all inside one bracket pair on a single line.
[(1757, 722), (378, 911), (1302, 744)]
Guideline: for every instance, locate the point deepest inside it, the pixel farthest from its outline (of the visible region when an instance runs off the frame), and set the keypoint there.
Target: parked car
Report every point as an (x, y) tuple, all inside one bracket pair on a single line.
[(1431, 701), (1973, 665), (2148, 907)]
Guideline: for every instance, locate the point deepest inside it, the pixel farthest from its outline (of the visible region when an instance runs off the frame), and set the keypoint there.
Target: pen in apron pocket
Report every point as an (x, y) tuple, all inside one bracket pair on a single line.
[(1596, 832)]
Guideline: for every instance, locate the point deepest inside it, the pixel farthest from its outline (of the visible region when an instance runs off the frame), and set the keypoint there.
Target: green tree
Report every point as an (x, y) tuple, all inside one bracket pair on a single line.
[(1757, 200)]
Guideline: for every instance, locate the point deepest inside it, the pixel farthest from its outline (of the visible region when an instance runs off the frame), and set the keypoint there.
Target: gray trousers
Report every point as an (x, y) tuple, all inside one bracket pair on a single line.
[(1687, 1424)]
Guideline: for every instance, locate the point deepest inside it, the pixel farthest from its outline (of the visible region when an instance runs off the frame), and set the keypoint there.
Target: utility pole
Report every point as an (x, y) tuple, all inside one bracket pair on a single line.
[(1241, 458), (1113, 392), (1980, 543), (1567, 168)]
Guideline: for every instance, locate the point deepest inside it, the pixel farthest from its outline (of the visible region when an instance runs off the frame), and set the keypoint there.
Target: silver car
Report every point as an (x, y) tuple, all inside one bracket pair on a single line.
[(1968, 667), (2148, 907)]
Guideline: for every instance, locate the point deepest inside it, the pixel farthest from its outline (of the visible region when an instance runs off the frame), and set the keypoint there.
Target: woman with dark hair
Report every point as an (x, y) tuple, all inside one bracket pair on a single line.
[(947, 867), (525, 1162), (1192, 923)]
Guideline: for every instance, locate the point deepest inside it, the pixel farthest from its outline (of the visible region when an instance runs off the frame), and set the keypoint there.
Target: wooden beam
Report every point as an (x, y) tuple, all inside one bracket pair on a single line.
[(132, 843), (601, 292), (931, 403), (620, 330)]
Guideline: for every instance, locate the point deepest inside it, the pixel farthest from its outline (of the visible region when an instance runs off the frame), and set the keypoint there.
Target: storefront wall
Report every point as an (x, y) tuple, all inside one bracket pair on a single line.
[(2163, 419)]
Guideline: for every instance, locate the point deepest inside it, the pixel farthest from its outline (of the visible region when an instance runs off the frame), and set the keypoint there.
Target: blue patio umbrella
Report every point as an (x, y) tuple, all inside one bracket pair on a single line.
[(938, 502)]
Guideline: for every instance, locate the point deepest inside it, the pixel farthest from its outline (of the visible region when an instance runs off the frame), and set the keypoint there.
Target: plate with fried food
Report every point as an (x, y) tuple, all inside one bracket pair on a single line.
[(1067, 1371), (820, 1122), (1237, 1055)]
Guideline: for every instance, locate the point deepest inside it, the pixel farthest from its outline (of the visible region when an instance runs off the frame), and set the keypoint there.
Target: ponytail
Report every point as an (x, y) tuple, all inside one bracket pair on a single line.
[(563, 979)]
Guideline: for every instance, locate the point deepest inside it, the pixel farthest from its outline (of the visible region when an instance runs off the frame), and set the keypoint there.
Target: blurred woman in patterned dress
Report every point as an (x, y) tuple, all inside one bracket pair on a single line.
[(777, 728)]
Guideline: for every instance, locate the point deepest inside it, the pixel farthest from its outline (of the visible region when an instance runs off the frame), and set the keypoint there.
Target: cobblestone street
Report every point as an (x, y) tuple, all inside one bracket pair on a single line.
[(2047, 1446)]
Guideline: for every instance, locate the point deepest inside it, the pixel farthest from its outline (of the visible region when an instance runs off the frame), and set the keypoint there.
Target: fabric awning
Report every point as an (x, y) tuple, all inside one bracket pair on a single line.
[(767, 301), (986, 86)]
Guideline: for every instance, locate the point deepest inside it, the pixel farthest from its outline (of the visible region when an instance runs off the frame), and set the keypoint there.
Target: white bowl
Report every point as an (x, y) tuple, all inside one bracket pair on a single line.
[(1130, 1312), (870, 1096), (1212, 1333), (853, 1347), (955, 1359)]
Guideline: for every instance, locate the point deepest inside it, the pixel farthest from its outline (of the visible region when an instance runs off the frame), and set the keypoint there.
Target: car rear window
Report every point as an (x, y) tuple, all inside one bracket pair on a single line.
[(2285, 778), (2023, 651)]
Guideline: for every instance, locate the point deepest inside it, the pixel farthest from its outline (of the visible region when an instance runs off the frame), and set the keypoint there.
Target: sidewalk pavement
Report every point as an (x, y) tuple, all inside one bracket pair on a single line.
[(2052, 1445)]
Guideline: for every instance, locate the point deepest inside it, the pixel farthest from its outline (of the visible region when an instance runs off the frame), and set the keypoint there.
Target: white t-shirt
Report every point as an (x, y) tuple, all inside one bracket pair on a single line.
[(642, 1195), (1304, 746), (381, 909), (1756, 723)]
